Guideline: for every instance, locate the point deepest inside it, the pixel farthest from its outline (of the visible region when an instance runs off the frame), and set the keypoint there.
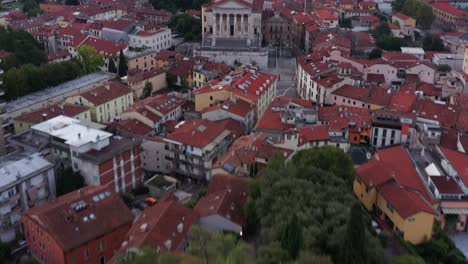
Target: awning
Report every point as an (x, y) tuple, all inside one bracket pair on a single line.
[(454, 211)]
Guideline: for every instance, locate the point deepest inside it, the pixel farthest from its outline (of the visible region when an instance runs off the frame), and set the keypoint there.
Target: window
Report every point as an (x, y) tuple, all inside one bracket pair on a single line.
[(86, 253), (101, 245), (102, 260)]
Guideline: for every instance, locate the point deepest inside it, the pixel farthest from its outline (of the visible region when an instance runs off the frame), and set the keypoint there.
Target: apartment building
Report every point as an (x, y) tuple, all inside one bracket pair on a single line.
[(106, 102), (99, 156), (84, 226), (392, 127), (195, 145), (26, 181), (156, 40), (29, 119), (391, 189), (247, 84)]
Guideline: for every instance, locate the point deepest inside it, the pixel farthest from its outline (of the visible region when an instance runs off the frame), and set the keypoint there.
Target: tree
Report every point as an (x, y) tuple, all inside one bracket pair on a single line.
[(147, 255), (375, 54), (309, 258), (31, 7), (397, 5), (187, 25), (354, 243), (291, 237), (90, 60), (72, 2), (5, 251), (24, 47), (112, 68), (218, 247), (147, 90), (68, 180), (331, 159), (433, 43), (444, 68), (408, 259), (123, 67)]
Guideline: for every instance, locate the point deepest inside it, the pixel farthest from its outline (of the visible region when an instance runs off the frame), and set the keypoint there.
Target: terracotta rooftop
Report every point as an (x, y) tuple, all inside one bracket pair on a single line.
[(79, 217), (46, 113), (226, 197), (197, 132), (458, 161), (164, 225), (106, 93)]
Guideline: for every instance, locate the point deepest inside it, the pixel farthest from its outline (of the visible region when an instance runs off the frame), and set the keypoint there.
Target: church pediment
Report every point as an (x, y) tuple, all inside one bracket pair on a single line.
[(235, 4)]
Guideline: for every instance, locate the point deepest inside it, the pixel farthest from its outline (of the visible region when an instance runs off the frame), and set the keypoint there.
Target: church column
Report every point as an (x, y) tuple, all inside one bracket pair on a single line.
[(214, 24), (221, 24), (235, 25), (242, 25)]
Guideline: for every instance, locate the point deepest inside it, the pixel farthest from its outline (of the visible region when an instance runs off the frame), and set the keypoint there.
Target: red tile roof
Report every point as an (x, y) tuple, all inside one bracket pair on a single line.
[(374, 173), (103, 216), (446, 7), (399, 163), (446, 185), (435, 111), (237, 107), (58, 55), (398, 56), (107, 48), (107, 92), (163, 103), (196, 132), (246, 149), (311, 133), (135, 75), (339, 117), (214, 4), (401, 16), (271, 119), (402, 102), (325, 14), (405, 201), (459, 162), (133, 126), (49, 112), (226, 197), (160, 223)]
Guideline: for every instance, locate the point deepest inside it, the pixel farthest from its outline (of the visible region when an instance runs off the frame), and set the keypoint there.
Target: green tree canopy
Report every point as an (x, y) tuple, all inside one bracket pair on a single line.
[(90, 60), (353, 249), (330, 159), (31, 7), (29, 78), (186, 25), (147, 90), (375, 54), (291, 237), (218, 247), (408, 259), (433, 43), (123, 67), (320, 199), (68, 180), (24, 47), (112, 68), (147, 255)]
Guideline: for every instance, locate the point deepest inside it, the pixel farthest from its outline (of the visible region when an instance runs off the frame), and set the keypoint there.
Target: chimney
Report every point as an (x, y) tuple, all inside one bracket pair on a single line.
[(107, 86), (44, 116)]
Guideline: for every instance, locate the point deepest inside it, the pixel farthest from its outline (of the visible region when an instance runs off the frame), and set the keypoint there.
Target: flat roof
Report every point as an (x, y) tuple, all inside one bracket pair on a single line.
[(49, 93), (17, 166), (71, 130), (412, 50)]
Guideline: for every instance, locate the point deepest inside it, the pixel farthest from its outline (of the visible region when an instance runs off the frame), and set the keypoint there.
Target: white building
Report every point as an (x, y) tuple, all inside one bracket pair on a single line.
[(157, 40), (25, 181), (231, 32), (418, 52), (455, 61)]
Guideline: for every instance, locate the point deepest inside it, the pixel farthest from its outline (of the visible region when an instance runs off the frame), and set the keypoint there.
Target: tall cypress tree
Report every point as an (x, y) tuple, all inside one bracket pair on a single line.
[(112, 68), (291, 237), (353, 249), (122, 65)]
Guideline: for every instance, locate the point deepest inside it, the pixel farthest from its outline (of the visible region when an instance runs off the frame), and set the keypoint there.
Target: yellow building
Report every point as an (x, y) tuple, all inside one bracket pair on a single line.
[(402, 208), (250, 85), (105, 102), (29, 119)]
